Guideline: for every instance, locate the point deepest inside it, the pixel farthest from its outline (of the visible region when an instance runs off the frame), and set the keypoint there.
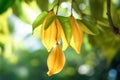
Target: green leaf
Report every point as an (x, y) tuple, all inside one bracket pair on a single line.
[(97, 8), (90, 25), (39, 20), (116, 17), (49, 21), (5, 4), (43, 4), (103, 22), (66, 27), (84, 28), (18, 10)]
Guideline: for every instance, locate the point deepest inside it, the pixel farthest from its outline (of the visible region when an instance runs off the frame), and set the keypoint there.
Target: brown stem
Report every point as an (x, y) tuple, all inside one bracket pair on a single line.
[(71, 6), (113, 27), (57, 6)]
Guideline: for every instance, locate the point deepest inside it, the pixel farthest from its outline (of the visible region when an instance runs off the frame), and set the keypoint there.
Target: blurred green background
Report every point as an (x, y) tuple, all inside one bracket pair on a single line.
[(23, 57)]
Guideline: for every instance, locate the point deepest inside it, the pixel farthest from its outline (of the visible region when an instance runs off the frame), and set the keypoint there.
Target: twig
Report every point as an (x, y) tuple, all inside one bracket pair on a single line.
[(58, 4), (113, 27), (71, 6)]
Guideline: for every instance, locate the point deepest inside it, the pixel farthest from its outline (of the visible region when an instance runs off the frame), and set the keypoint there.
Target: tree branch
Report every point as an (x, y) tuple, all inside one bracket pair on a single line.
[(113, 27)]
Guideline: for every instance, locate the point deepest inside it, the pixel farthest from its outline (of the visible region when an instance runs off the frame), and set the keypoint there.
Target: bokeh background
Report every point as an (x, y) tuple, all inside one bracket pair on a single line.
[(23, 57)]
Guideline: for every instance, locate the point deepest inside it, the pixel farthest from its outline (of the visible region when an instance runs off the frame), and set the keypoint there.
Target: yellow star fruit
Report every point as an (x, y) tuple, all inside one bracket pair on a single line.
[(58, 29), (48, 36), (61, 35), (64, 42), (52, 34), (77, 35), (55, 61)]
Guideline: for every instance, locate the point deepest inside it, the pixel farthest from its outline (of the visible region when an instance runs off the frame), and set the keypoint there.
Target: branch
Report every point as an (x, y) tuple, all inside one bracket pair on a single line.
[(71, 6), (113, 27), (58, 4)]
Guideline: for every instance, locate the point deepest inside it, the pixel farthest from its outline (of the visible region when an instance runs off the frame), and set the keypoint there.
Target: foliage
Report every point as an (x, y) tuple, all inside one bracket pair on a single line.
[(100, 45)]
